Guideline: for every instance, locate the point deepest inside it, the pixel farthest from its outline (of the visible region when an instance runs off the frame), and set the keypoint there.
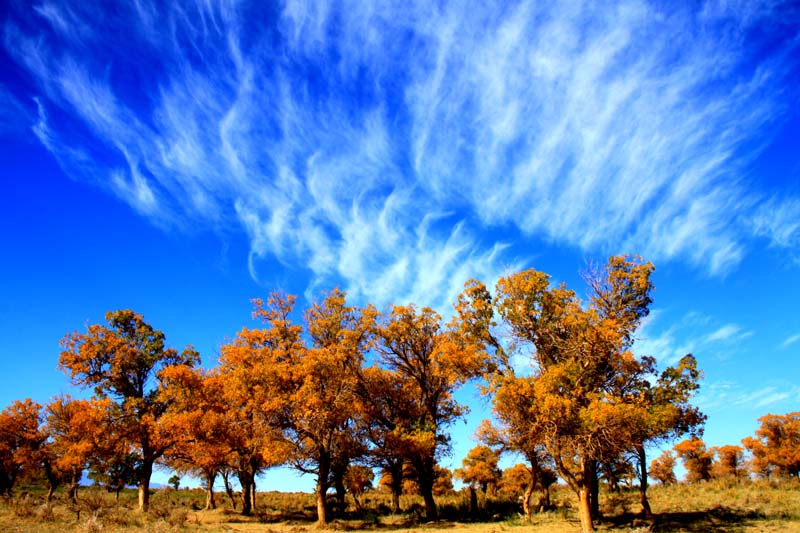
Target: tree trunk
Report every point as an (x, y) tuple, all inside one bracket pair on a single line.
[(246, 482), (396, 473), (322, 490), (545, 504), (526, 498), (210, 503), (426, 474), (585, 509), (228, 489), (642, 458), (52, 480), (144, 485), (253, 488), (473, 502), (338, 484), (75, 483), (584, 487), (322, 512), (594, 489)]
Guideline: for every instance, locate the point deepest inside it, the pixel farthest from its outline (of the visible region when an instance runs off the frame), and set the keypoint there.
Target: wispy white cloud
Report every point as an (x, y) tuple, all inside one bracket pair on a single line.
[(728, 332), (693, 333), (790, 341), (726, 394), (376, 145), (778, 220)]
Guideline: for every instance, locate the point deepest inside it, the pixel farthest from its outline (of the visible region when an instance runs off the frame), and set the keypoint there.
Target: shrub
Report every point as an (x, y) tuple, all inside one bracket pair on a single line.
[(44, 512), (93, 525)]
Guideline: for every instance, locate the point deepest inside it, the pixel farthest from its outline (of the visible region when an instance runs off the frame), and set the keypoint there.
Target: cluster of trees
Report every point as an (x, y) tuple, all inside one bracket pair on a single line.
[(774, 452), (350, 387)]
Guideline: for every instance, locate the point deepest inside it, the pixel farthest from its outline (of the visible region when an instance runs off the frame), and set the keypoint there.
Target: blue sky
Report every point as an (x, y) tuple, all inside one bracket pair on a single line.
[(180, 160)]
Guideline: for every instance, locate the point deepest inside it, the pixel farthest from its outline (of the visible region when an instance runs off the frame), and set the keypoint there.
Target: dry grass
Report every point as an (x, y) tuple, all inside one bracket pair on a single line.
[(716, 506)]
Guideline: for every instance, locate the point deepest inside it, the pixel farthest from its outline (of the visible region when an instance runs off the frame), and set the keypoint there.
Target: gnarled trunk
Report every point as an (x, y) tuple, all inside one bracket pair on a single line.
[(473, 501), (210, 503), (396, 474), (584, 489), (253, 488), (144, 485), (526, 501), (585, 510), (594, 489), (642, 459), (322, 490), (228, 489), (246, 481)]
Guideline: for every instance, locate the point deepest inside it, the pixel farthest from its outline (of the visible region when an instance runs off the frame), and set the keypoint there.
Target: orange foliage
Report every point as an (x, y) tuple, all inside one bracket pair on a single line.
[(729, 461), (21, 441), (125, 361), (696, 459), (662, 469), (479, 468), (776, 445), (77, 432)]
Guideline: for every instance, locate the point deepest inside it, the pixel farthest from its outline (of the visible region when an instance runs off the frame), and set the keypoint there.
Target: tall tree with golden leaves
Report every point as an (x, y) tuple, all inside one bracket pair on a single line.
[(76, 432), (202, 424), (21, 442), (431, 361), (123, 361), (580, 399), (252, 376), (696, 458), (320, 424), (776, 445)]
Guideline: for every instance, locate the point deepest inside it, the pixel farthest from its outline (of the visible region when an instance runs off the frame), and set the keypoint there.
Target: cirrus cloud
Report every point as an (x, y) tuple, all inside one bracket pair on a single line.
[(398, 147)]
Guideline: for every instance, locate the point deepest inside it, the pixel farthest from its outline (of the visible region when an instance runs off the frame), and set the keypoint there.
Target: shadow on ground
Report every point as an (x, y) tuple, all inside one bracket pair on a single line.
[(716, 519)]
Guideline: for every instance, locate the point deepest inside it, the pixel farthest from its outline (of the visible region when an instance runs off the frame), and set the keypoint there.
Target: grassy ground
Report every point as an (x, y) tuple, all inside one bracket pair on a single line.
[(715, 506)]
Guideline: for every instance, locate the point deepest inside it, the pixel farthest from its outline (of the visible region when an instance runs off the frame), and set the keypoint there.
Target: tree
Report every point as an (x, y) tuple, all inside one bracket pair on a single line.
[(253, 376), (358, 480), (519, 482), (124, 361), (21, 442), (479, 468), (114, 468), (320, 424), (668, 413), (303, 395), (776, 445), (579, 401), (204, 426), (75, 431), (442, 481), (387, 407), (729, 461), (615, 470), (431, 361), (696, 459), (662, 469)]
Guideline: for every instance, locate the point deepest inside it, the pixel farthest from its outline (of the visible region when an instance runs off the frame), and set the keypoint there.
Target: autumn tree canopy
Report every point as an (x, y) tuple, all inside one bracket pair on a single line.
[(21, 441), (583, 401), (696, 458), (662, 469), (339, 389), (124, 361), (432, 360), (776, 445)]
